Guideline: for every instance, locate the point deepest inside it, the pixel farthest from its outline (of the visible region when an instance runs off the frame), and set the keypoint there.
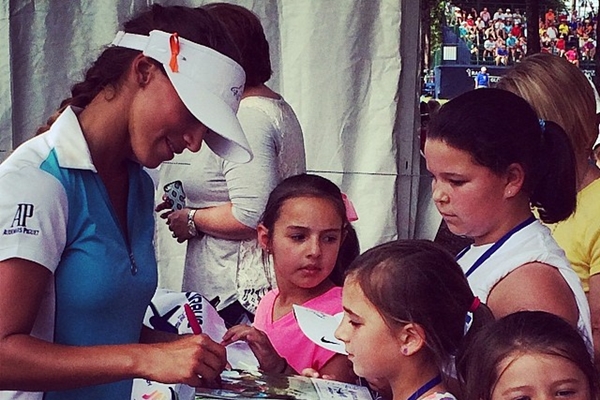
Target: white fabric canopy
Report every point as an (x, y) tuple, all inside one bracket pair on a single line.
[(349, 68)]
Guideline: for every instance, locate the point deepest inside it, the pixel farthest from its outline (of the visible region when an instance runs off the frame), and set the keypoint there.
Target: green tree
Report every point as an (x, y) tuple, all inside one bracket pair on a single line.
[(432, 19)]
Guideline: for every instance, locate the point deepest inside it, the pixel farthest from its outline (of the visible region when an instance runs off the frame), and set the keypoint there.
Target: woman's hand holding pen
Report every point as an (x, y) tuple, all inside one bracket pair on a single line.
[(195, 360)]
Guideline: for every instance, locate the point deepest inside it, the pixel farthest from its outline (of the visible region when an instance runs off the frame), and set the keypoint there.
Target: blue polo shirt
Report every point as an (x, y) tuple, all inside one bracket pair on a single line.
[(55, 211)]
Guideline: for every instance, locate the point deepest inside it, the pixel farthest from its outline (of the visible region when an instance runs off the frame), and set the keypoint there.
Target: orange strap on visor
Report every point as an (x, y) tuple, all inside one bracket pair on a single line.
[(174, 43)]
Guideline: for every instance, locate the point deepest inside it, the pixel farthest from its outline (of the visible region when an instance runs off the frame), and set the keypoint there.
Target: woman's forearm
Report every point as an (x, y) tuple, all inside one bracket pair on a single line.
[(219, 222)]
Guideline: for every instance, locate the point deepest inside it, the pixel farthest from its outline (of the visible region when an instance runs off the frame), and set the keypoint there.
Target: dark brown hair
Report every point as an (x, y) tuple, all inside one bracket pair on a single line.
[(524, 332), (418, 281), (248, 34), (499, 128), (108, 70), (308, 185)]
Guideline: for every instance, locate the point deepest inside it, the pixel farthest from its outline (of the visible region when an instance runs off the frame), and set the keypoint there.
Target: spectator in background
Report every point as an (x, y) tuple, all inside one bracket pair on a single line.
[(580, 31), (501, 55), (550, 17), (485, 15), (498, 14), (470, 21), (562, 17), (499, 27), (522, 47), (552, 33), (517, 17), (561, 46), (546, 43), (563, 29), (589, 49), (573, 14), (489, 47), (480, 25), (582, 40), (573, 24), (482, 79), (490, 32), (474, 13), (511, 46), (572, 56), (516, 30), (588, 27), (508, 25), (463, 30), (542, 28), (457, 16)]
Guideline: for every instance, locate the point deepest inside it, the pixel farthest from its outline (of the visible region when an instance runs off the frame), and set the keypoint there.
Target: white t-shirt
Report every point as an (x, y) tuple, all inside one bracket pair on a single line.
[(533, 243)]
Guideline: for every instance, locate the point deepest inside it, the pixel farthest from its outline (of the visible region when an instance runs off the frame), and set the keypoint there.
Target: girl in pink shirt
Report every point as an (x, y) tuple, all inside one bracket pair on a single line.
[(306, 229)]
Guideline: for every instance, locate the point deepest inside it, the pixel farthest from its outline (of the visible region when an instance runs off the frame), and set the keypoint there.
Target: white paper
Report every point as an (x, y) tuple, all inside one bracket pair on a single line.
[(144, 389), (320, 327), (166, 313)]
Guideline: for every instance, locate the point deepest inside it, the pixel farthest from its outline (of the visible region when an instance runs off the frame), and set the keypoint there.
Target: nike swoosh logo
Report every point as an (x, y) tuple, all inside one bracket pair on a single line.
[(327, 341)]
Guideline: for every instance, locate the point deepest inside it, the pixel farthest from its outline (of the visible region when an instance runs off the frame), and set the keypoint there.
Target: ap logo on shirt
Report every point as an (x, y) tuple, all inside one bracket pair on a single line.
[(19, 222)]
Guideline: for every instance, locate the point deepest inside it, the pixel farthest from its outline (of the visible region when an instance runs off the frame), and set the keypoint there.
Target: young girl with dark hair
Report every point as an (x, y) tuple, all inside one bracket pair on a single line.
[(407, 307), (77, 265), (491, 161), (527, 355), (306, 231)]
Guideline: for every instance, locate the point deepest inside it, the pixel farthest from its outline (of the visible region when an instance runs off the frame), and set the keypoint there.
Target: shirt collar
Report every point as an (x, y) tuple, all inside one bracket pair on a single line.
[(71, 148)]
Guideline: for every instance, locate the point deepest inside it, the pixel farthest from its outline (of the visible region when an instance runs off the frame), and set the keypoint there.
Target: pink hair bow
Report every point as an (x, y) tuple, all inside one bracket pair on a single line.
[(350, 210)]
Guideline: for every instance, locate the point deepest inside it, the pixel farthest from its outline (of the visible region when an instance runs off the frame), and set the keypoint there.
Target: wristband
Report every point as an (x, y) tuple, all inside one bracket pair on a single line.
[(190, 222)]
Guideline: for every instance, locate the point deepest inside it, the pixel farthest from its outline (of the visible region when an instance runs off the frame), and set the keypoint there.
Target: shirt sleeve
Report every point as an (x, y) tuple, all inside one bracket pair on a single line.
[(250, 184), (263, 311), (594, 243), (33, 216)]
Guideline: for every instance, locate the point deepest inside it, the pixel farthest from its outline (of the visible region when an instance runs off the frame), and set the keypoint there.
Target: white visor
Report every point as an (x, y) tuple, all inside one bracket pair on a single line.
[(209, 84)]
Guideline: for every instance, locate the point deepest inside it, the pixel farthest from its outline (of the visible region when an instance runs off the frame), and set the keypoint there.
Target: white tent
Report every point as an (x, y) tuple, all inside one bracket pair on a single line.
[(349, 68)]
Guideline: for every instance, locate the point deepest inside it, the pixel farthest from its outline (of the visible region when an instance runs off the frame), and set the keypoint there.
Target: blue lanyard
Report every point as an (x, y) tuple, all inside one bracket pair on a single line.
[(423, 389), (488, 253)]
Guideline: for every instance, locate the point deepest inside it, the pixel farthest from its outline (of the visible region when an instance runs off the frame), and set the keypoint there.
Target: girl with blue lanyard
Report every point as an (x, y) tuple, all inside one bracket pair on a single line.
[(407, 309), (492, 160)]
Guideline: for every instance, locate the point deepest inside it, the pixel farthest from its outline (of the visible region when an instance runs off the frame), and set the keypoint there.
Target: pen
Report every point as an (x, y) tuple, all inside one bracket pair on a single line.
[(189, 313)]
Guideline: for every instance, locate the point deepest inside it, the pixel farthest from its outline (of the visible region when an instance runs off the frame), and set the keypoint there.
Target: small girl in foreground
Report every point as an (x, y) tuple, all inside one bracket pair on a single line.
[(530, 355), (407, 306), (306, 230)]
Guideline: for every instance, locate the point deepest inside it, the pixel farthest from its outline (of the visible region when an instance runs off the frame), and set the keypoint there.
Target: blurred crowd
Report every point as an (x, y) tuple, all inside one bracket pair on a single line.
[(500, 37)]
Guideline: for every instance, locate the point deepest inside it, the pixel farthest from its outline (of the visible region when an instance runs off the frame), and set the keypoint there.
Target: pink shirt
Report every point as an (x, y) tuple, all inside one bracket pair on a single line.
[(571, 55), (286, 336)]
